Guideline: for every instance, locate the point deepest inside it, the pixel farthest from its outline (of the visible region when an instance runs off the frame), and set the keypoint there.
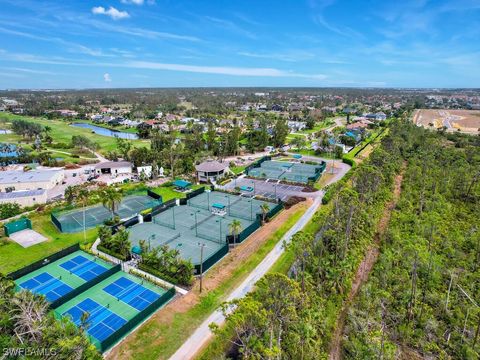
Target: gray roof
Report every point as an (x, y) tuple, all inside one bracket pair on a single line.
[(211, 166), (21, 194), (113, 164), (10, 177)]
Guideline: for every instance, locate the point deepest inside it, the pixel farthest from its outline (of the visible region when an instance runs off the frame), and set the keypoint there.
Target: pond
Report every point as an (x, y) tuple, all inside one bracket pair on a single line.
[(107, 132)]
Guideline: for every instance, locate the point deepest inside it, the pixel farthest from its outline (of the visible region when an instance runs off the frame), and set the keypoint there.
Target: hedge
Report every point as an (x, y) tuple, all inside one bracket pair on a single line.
[(112, 253)]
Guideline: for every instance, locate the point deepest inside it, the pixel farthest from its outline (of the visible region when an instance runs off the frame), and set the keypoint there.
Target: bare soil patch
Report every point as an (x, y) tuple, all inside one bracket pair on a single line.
[(364, 269), (464, 120)]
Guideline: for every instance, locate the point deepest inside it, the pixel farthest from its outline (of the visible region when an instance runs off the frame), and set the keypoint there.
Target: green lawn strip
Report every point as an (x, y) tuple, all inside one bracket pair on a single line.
[(14, 256), (146, 344), (62, 132)]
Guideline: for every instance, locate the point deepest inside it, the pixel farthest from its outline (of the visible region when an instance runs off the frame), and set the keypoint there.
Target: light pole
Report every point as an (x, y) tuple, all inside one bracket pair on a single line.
[(152, 237), (251, 210), (275, 187), (173, 215), (253, 182), (208, 199), (228, 199), (201, 264), (195, 213), (220, 230)]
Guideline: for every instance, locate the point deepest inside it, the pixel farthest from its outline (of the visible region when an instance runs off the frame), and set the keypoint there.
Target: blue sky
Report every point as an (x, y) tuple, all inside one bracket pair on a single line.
[(167, 43)]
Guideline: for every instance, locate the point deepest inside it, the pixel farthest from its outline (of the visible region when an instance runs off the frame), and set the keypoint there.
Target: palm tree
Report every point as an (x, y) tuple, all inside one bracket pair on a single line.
[(85, 320), (265, 209), (121, 242), (71, 193), (111, 198), (28, 313), (48, 139), (82, 197), (235, 227)]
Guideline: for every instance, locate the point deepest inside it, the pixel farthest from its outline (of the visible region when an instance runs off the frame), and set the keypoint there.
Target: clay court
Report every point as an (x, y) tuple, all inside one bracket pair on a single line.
[(466, 121)]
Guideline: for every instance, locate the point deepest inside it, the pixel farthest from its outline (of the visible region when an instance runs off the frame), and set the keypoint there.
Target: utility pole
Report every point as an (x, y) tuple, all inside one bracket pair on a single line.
[(201, 265)]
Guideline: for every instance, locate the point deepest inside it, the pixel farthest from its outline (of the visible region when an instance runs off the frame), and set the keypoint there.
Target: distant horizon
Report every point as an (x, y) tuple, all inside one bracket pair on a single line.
[(246, 87), (95, 44)]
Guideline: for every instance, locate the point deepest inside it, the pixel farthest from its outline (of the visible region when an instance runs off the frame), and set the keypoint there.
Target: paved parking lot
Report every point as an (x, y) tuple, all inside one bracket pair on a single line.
[(270, 189)]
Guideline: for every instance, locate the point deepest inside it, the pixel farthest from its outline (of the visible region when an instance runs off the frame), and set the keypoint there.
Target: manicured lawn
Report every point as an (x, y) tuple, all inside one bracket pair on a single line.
[(62, 132), (319, 126), (14, 257), (238, 169), (160, 341), (169, 193)]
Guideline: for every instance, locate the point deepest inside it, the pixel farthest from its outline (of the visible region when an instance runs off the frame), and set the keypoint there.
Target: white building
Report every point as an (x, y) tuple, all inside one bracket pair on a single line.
[(114, 168), (296, 125), (30, 180), (24, 197)]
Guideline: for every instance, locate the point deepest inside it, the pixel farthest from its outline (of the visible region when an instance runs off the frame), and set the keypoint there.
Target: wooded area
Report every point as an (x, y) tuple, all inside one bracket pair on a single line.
[(433, 234), (422, 298)]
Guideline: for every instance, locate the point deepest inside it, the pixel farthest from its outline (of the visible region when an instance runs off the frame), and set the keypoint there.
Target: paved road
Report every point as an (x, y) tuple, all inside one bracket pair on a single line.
[(203, 334)]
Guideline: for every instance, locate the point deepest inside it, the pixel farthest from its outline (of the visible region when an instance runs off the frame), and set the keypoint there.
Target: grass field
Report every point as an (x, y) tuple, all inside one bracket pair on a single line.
[(158, 340), (62, 132), (14, 257), (168, 192), (318, 126)]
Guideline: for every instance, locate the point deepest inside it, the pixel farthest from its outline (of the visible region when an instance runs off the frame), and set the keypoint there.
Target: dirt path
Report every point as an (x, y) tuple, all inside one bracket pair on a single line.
[(214, 278), (365, 268)]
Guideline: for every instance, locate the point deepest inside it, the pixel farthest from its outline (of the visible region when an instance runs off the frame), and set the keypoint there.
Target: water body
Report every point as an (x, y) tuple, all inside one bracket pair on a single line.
[(107, 132), (8, 150)]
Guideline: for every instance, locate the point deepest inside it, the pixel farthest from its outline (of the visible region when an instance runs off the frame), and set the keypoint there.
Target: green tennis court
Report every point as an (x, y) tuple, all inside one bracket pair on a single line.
[(110, 306), (59, 278), (204, 221), (72, 221), (283, 170)]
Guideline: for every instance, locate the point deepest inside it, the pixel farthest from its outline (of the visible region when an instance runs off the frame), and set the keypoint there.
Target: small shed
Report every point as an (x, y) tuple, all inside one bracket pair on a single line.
[(218, 209)]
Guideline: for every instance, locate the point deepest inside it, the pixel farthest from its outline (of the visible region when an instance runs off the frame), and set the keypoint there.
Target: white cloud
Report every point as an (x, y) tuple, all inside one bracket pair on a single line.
[(222, 70), (114, 13), (107, 78), (134, 2)]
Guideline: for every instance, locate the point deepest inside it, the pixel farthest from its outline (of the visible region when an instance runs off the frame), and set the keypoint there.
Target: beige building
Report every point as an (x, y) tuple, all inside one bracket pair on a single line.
[(30, 180), (211, 170), (24, 197)]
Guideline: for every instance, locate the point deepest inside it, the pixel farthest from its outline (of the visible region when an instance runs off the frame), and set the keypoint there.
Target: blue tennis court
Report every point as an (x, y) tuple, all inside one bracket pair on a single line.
[(83, 267), (45, 284), (132, 293), (102, 321)]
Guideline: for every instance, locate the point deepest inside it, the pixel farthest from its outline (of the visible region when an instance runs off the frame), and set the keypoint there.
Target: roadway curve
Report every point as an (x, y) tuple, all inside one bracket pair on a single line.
[(203, 334)]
